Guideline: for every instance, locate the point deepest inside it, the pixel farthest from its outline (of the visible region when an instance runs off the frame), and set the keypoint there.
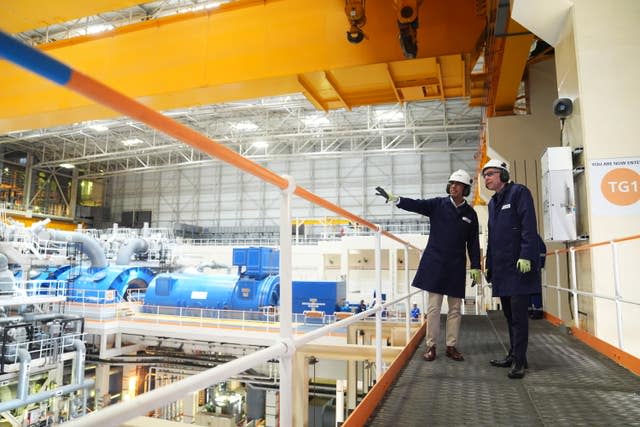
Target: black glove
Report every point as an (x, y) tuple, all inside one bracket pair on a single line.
[(387, 196)]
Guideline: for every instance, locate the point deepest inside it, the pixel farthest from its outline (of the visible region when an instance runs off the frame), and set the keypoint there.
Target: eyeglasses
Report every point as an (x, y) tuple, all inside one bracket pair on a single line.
[(488, 174)]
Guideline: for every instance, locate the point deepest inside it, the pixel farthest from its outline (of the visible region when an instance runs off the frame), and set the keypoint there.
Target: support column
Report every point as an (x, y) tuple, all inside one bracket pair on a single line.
[(189, 408), (102, 386), (73, 197), (28, 178), (352, 386), (300, 390)]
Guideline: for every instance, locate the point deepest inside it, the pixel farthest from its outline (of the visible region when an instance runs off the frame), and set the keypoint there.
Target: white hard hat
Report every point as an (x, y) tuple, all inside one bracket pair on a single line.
[(461, 176), (495, 163)]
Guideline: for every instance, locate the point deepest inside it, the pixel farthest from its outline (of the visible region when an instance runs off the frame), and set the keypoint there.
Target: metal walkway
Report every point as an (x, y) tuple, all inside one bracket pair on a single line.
[(567, 383)]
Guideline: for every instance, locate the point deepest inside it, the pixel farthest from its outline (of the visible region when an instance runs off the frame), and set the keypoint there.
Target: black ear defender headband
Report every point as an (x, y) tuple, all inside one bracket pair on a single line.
[(467, 188), (504, 174)]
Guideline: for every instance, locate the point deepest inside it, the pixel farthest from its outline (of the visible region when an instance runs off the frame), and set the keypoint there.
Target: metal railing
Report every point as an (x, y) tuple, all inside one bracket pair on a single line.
[(575, 307)]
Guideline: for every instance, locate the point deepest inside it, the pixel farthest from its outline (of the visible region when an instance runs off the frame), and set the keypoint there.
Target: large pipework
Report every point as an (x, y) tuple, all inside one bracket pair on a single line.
[(23, 376), (130, 247), (4, 262), (24, 399), (81, 353), (90, 246)]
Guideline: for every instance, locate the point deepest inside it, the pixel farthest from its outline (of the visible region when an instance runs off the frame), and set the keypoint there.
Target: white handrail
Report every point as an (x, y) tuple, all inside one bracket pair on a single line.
[(617, 298), (123, 411)]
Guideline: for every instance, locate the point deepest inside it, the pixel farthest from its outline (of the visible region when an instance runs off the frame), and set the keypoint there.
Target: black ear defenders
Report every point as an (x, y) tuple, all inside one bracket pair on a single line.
[(504, 175), (467, 188)]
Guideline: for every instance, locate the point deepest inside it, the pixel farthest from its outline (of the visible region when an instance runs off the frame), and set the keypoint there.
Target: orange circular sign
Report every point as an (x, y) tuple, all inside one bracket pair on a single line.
[(621, 186)]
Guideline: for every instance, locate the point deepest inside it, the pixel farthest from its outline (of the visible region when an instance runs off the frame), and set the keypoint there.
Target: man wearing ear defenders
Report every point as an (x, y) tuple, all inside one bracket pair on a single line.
[(453, 233), (513, 257)]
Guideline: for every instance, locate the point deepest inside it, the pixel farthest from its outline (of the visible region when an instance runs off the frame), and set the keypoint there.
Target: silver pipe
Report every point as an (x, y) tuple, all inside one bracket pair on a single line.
[(81, 353), (90, 246), (23, 377), (39, 397), (10, 319), (130, 247), (4, 262), (80, 348)]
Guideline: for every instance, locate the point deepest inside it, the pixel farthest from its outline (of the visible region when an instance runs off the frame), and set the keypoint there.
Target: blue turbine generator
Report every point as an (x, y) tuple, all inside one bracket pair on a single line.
[(108, 285), (256, 285)]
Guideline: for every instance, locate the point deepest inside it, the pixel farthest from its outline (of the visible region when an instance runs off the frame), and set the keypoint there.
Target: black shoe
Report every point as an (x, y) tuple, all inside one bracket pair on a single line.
[(503, 363), (516, 372)]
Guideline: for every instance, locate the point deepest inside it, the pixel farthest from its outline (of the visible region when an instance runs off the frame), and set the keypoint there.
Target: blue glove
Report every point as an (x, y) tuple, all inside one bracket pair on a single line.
[(475, 275), (487, 276), (524, 265), (389, 197)]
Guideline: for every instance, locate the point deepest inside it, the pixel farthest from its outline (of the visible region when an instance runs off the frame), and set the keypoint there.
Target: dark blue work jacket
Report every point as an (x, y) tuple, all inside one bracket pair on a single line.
[(513, 235), (453, 232)]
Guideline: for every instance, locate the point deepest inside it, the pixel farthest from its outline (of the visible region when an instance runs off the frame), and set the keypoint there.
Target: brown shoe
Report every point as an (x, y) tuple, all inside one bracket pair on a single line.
[(430, 354), (454, 354)]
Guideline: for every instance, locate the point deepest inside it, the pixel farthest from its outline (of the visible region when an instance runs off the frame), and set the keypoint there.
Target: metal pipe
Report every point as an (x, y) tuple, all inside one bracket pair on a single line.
[(39, 397), (23, 376), (616, 282), (90, 246), (80, 348), (558, 283), (78, 376), (132, 246), (574, 287)]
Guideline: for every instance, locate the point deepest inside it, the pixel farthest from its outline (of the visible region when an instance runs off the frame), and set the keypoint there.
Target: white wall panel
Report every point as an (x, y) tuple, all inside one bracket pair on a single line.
[(217, 195)]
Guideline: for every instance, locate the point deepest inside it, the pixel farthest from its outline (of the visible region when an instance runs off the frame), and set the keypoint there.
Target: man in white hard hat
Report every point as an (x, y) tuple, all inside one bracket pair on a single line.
[(453, 233), (513, 255)]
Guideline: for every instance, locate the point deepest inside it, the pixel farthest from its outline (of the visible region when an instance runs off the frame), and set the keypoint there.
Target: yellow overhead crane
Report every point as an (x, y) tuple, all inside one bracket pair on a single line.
[(285, 46), (406, 14)]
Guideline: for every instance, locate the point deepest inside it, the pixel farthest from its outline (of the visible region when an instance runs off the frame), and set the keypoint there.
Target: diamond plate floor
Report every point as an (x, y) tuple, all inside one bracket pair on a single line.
[(567, 383)]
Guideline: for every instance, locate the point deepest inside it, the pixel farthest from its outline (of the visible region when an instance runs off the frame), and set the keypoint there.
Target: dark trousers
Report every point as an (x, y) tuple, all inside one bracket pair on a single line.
[(515, 309)]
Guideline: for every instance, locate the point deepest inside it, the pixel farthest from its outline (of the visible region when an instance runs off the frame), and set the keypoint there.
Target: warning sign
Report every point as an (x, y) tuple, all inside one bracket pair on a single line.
[(615, 186)]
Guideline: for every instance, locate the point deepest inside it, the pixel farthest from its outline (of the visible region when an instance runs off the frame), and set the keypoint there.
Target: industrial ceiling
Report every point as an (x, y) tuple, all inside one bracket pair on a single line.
[(268, 78)]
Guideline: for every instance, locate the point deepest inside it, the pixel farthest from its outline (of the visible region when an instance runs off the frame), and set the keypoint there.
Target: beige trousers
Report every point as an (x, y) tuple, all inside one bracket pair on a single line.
[(433, 319)]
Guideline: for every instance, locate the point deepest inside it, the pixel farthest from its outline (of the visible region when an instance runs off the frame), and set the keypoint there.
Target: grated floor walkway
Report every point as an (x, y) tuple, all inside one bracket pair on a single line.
[(567, 383)]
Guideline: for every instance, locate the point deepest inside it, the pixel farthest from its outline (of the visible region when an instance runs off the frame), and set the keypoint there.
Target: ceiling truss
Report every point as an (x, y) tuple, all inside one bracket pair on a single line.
[(266, 129)]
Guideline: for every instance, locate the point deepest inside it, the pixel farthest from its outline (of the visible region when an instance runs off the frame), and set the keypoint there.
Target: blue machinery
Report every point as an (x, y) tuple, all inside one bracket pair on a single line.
[(256, 285)]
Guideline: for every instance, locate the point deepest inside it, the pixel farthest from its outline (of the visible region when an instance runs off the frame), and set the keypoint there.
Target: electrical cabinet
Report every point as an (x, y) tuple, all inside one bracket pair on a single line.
[(558, 195)]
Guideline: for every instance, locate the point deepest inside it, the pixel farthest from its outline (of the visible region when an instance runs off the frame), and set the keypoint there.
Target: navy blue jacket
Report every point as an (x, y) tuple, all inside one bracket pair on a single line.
[(453, 232), (513, 235)]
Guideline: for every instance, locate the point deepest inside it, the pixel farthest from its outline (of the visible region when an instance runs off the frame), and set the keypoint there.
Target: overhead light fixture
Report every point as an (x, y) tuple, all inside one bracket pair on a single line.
[(316, 120), (98, 28), (211, 5), (98, 128), (131, 141), (245, 126), (67, 166), (261, 144)]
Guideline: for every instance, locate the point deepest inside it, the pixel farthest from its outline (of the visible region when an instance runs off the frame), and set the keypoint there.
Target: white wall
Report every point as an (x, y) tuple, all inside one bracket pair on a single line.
[(596, 59)]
